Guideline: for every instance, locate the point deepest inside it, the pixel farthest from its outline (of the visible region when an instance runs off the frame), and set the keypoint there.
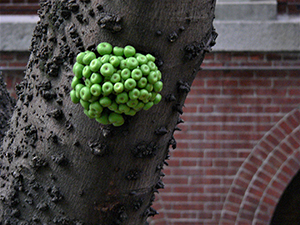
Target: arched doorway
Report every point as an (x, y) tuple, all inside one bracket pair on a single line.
[(288, 208)]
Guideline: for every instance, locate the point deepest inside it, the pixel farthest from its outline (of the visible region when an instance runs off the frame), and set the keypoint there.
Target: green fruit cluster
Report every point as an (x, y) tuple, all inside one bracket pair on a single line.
[(114, 82)]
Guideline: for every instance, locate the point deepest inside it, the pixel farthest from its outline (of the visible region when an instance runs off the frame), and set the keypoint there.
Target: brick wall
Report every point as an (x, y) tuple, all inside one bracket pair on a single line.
[(237, 150), (14, 7), (290, 7)]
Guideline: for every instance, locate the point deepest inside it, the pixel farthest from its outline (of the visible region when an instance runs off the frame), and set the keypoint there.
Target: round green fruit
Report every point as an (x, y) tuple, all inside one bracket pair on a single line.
[(88, 57), (104, 48), (107, 69), (129, 51)]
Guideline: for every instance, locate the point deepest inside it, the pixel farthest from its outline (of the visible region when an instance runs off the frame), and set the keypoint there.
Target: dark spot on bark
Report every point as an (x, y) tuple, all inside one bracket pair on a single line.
[(63, 220), (91, 13), (76, 143), (68, 125), (133, 175), (173, 142), (81, 193), (55, 194), (138, 203), (29, 201), (59, 101), (16, 213), (171, 98), (150, 212), (160, 185), (180, 120), (144, 150), (110, 22), (173, 36), (53, 137), (158, 33), (178, 108), (65, 14), (48, 94), (161, 131), (37, 162), (182, 28), (43, 206), (183, 86), (97, 148), (79, 17), (177, 128), (56, 114), (100, 8), (192, 50), (31, 135), (53, 177), (73, 6), (61, 160)]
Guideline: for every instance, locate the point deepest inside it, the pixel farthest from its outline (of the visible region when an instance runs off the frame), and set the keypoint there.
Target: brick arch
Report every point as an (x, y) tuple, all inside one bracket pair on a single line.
[(264, 175)]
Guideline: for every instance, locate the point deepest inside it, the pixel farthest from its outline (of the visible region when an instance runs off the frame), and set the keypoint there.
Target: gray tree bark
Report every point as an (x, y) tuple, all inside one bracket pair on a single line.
[(58, 166), (6, 108)]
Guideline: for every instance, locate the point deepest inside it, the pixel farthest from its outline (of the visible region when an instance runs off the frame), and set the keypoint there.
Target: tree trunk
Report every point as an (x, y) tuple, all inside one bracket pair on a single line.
[(58, 166), (6, 108)]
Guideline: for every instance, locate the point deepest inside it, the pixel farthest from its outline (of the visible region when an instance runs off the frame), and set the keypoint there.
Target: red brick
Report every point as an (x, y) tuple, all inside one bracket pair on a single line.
[(239, 57), (205, 91), (271, 92), (189, 189), (255, 83), (269, 169), (273, 56), (256, 109), (189, 154), (190, 136), (182, 206), (256, 56), (205, 109), (17, 64), (238, 127), (205, 180), (255, 119), (7, 56), (209, 56), (223, 56), (238, 92), (187, 171), (194, 100), (174, 198), (285, 127), (239, 109), (188, 162), (269, 201), (198, 83), (286, 83), (255, 100), (263, 176), (205, 198), (222, 136), (287, 170), (232, 208), (294, 143)]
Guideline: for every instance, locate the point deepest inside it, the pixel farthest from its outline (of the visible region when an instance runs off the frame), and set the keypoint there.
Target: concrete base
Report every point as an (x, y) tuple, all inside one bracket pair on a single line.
[(282, 34), (246, 10)]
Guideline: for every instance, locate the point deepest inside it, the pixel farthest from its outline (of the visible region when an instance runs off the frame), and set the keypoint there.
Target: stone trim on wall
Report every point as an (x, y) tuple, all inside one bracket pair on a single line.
[(234, 35)]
